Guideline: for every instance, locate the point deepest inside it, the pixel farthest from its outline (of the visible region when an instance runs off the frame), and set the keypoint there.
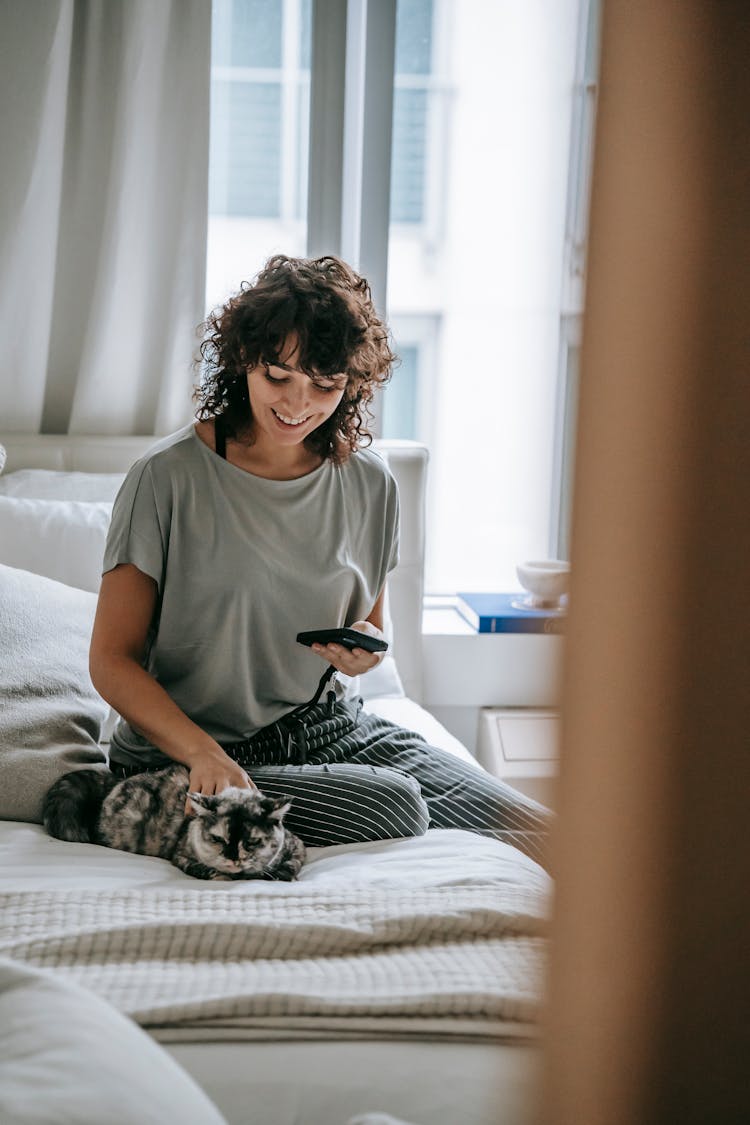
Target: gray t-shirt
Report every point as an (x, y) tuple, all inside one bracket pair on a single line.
[(242, 564)]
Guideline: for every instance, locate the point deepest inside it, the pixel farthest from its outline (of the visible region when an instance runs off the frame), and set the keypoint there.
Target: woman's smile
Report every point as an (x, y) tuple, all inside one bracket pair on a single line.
[(290, 421)]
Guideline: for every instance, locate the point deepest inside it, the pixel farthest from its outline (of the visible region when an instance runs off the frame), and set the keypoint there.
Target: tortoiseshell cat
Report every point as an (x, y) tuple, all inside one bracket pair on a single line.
[(236, 834)]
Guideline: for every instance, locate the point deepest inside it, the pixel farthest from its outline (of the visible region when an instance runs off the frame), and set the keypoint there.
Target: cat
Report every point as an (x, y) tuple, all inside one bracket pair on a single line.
[(236, 834)]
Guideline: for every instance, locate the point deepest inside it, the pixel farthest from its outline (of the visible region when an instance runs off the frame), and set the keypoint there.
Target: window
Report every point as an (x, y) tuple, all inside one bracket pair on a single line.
[(574, 271), (411, 94), (483, 96), (260, 105), (409, 404), (482, 256)]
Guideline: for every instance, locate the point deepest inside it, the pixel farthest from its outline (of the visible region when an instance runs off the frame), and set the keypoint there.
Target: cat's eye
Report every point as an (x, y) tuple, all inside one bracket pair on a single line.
[(217, 839)]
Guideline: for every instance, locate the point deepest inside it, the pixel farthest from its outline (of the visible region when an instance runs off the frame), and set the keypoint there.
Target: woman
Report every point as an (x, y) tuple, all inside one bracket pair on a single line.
[(266, 518)]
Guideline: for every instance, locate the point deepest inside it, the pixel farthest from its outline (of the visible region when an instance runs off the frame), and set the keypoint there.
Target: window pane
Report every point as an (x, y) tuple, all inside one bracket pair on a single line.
[(400, 404), (260, 97), (305, 33), (413, 36), (245, 161), (408, 155), (488, 153), (246, 33)]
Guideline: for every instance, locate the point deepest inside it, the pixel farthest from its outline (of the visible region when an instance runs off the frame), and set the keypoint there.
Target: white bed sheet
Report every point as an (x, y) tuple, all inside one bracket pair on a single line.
[(31, 860)]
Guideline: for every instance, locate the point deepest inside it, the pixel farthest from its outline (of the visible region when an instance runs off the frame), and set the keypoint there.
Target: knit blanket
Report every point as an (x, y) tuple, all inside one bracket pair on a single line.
[(287, 956)]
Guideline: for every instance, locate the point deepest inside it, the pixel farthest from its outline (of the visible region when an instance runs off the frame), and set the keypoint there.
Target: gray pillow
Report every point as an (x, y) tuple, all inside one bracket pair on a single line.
[(50, 714)]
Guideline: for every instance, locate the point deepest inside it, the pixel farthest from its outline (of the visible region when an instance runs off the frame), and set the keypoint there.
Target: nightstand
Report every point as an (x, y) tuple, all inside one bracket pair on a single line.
[(520, 746), (465, 671)]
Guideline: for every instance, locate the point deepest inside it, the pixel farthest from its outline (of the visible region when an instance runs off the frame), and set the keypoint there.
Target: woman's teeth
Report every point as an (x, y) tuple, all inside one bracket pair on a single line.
[(290, 421)]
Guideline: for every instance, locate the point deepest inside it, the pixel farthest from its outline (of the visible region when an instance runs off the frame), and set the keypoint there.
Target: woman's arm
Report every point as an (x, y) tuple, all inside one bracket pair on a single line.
[(376, 614), (127, 599)]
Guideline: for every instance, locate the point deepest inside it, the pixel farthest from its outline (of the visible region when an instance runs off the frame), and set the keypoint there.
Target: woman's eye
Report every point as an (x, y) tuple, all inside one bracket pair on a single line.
[(336, 385), (272, 379)]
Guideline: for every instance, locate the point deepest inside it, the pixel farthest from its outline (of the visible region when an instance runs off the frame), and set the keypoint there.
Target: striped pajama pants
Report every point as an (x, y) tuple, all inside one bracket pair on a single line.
[(355, 777)]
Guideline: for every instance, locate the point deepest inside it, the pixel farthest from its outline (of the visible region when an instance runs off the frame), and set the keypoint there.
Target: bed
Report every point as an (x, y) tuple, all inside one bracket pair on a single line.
[(400, 977)]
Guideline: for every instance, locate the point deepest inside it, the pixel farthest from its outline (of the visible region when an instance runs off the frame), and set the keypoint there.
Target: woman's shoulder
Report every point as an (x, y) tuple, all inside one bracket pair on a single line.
[(368, 480), (369, 464), (168, 451)]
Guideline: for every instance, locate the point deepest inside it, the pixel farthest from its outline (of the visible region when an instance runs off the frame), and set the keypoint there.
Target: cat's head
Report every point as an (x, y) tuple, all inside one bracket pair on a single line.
[(238, 829)]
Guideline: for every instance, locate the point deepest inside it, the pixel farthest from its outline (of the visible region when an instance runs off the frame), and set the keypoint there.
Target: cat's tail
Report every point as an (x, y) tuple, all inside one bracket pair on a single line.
[(71, 807)]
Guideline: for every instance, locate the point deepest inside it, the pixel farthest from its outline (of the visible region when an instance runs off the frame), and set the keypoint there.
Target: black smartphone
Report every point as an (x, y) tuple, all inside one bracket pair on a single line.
[(350, 638)]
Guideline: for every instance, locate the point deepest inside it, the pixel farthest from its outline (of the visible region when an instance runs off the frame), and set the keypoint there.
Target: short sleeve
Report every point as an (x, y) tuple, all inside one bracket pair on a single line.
[(138, 531)]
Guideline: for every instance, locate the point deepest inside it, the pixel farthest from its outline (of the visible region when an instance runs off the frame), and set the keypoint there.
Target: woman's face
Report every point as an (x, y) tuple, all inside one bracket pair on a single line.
[(286, 404)]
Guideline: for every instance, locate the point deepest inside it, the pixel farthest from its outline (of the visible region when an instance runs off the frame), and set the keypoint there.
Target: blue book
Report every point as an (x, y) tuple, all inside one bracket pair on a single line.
[(508, 613)]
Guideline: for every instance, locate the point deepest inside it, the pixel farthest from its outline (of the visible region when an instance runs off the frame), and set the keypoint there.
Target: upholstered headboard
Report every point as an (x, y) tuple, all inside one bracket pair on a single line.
[(407, 461)]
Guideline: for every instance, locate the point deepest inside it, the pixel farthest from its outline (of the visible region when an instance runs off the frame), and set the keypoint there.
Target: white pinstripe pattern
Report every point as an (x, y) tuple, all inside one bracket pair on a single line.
[(456, 795), (344, 803)]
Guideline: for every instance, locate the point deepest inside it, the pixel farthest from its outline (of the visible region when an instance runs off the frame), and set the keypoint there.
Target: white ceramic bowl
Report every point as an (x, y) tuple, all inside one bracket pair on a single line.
[(545, 579)]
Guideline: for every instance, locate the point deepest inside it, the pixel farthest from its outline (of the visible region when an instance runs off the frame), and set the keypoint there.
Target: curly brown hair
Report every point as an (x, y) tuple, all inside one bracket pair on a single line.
[(327, 308)]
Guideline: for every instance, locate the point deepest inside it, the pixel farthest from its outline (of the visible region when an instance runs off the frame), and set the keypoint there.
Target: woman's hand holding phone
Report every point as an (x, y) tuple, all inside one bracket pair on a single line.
[(351, 661)]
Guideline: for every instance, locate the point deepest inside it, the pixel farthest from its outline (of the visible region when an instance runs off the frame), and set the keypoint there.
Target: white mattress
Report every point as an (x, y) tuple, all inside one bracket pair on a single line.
[(314, 1075)]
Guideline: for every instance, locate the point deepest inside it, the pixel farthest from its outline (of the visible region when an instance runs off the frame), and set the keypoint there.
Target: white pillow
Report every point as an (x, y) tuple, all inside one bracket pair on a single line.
[(51, 484), (383, 682), (59, 539), (68, 1056)]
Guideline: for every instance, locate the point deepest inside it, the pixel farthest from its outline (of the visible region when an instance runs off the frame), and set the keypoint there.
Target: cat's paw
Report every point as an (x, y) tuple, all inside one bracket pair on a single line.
[(287, 872)]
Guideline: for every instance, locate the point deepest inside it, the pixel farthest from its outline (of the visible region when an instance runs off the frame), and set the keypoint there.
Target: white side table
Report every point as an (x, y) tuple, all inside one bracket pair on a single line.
[(520, 746), (465, 670)]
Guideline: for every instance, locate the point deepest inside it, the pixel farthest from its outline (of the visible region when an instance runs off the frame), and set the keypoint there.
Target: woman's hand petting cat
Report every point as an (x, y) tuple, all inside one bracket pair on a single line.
[(213, 773), (356, 661)]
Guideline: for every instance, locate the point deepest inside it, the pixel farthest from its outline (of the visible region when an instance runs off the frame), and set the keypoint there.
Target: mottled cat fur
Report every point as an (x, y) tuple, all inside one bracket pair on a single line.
[(236, 834)]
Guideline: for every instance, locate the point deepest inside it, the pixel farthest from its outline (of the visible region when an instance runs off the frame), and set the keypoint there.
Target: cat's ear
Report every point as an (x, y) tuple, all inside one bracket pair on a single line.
[(199, 803), (280, 806)]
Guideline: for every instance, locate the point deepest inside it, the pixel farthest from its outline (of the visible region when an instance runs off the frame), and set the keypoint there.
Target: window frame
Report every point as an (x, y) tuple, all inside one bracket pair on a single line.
[(580, 167)]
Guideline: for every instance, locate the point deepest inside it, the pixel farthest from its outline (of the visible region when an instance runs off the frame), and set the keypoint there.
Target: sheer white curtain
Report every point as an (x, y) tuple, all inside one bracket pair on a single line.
[(103, 212)]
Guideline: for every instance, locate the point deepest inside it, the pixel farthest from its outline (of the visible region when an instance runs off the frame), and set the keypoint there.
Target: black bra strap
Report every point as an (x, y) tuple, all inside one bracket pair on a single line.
[(220, 436)]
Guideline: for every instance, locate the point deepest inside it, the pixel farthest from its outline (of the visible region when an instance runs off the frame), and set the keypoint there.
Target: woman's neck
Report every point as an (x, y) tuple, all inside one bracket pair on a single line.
[(270, 464), (262, 459)]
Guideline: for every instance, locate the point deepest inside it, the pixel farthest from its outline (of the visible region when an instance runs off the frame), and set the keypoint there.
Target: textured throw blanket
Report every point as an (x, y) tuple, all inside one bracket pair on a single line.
[(201, 958)]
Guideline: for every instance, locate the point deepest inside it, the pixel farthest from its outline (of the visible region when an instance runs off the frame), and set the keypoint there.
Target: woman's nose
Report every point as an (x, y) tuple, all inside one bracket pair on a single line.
[(298, 397)]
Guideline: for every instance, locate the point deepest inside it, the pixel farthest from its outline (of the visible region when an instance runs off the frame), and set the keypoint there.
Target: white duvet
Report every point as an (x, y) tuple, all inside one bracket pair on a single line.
[(442, 928)]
